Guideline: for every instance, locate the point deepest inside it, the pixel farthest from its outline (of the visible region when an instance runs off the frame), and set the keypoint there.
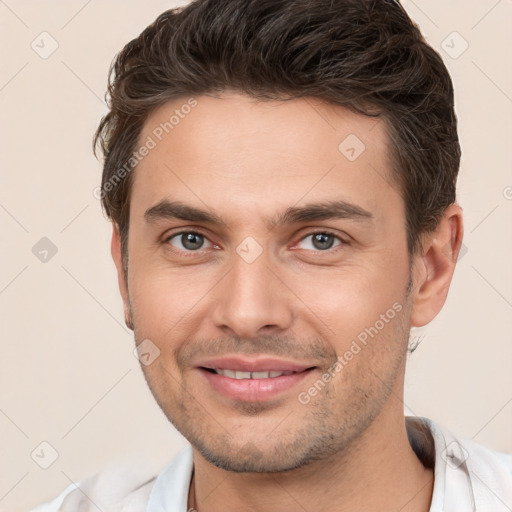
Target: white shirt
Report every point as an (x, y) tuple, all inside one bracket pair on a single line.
[(467, 478)]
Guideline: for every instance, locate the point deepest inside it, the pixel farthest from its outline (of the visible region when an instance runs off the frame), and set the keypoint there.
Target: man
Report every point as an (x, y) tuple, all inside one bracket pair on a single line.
[(281, 181)]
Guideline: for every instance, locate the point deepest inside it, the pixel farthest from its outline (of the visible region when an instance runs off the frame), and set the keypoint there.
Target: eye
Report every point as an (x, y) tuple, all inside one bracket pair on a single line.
[(187, 241), (321, 241)]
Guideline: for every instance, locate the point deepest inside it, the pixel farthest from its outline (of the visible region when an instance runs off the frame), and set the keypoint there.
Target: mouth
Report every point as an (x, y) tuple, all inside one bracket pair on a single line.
[(240, 374), (253, 380)]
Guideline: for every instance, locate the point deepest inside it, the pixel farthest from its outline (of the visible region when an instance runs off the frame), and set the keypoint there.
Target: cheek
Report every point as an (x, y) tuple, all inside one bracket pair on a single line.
[(345, 303), (162, 298)]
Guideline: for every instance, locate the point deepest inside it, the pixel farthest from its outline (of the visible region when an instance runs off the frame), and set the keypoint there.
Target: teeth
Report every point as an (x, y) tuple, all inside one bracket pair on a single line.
[(235, 374), (260, 375)]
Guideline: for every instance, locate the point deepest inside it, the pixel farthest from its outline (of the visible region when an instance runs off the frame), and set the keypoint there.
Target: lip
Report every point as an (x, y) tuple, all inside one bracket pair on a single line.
[(253, 390)]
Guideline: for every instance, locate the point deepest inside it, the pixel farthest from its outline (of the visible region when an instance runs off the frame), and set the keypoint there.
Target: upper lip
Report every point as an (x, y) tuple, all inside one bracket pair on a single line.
[(245, 364)]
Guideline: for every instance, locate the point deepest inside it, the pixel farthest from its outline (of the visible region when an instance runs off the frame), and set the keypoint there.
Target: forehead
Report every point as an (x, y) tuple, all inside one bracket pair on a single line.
[(235, 152)]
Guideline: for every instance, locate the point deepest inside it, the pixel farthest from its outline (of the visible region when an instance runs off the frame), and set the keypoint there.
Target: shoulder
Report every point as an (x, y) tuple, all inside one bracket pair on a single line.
[(488, 472), (467, 471), (489, 465), (120, 488), (485, 462), (129, 487)]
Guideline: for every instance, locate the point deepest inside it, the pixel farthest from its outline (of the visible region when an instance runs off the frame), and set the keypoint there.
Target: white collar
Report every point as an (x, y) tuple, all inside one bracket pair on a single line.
[(170, 491)]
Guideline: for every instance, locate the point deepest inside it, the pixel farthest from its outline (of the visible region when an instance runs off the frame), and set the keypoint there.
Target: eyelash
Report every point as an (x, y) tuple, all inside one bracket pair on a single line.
[(188, 253)]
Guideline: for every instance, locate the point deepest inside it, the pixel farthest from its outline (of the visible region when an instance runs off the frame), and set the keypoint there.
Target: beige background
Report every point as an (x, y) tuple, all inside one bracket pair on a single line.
[(67, 372)]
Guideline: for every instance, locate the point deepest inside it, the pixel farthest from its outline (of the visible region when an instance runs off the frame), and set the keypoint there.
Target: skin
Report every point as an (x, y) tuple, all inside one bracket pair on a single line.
[(247, 161)]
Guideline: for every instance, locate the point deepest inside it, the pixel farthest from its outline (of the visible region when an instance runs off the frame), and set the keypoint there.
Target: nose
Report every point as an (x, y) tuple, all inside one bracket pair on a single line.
[(252, 300)]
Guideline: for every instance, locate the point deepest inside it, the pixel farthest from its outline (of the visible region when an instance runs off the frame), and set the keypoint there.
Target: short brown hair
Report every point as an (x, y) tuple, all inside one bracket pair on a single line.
[(366, 55)]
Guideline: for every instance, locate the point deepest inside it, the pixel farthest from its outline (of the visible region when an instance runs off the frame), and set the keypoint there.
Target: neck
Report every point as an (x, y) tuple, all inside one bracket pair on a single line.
[(379, 471)]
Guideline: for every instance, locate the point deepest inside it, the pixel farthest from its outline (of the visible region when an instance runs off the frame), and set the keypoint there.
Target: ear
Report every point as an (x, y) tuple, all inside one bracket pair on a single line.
[(122, 278), (434, 267)]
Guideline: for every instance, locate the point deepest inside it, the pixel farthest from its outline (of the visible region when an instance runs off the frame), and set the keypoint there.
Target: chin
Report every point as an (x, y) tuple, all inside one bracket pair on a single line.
[(254, 457), (251, 460)]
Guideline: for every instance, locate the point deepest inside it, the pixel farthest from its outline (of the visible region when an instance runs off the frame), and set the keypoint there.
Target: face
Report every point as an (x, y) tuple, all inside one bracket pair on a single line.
[(268, 265)]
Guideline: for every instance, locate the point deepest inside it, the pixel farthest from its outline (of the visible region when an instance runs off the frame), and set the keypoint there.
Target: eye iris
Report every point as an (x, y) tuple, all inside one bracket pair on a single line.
[(192, 241), (323, 240)]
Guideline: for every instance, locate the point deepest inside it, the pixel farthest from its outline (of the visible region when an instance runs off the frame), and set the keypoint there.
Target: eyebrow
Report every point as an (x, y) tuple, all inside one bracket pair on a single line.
[(168, 210)]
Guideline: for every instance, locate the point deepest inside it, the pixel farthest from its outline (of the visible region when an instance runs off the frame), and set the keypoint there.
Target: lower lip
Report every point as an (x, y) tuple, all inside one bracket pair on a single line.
[(253, 390)]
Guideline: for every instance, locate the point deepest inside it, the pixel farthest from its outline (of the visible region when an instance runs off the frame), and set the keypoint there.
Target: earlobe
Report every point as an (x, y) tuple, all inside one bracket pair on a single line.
[(433, 270), (122, 278)]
